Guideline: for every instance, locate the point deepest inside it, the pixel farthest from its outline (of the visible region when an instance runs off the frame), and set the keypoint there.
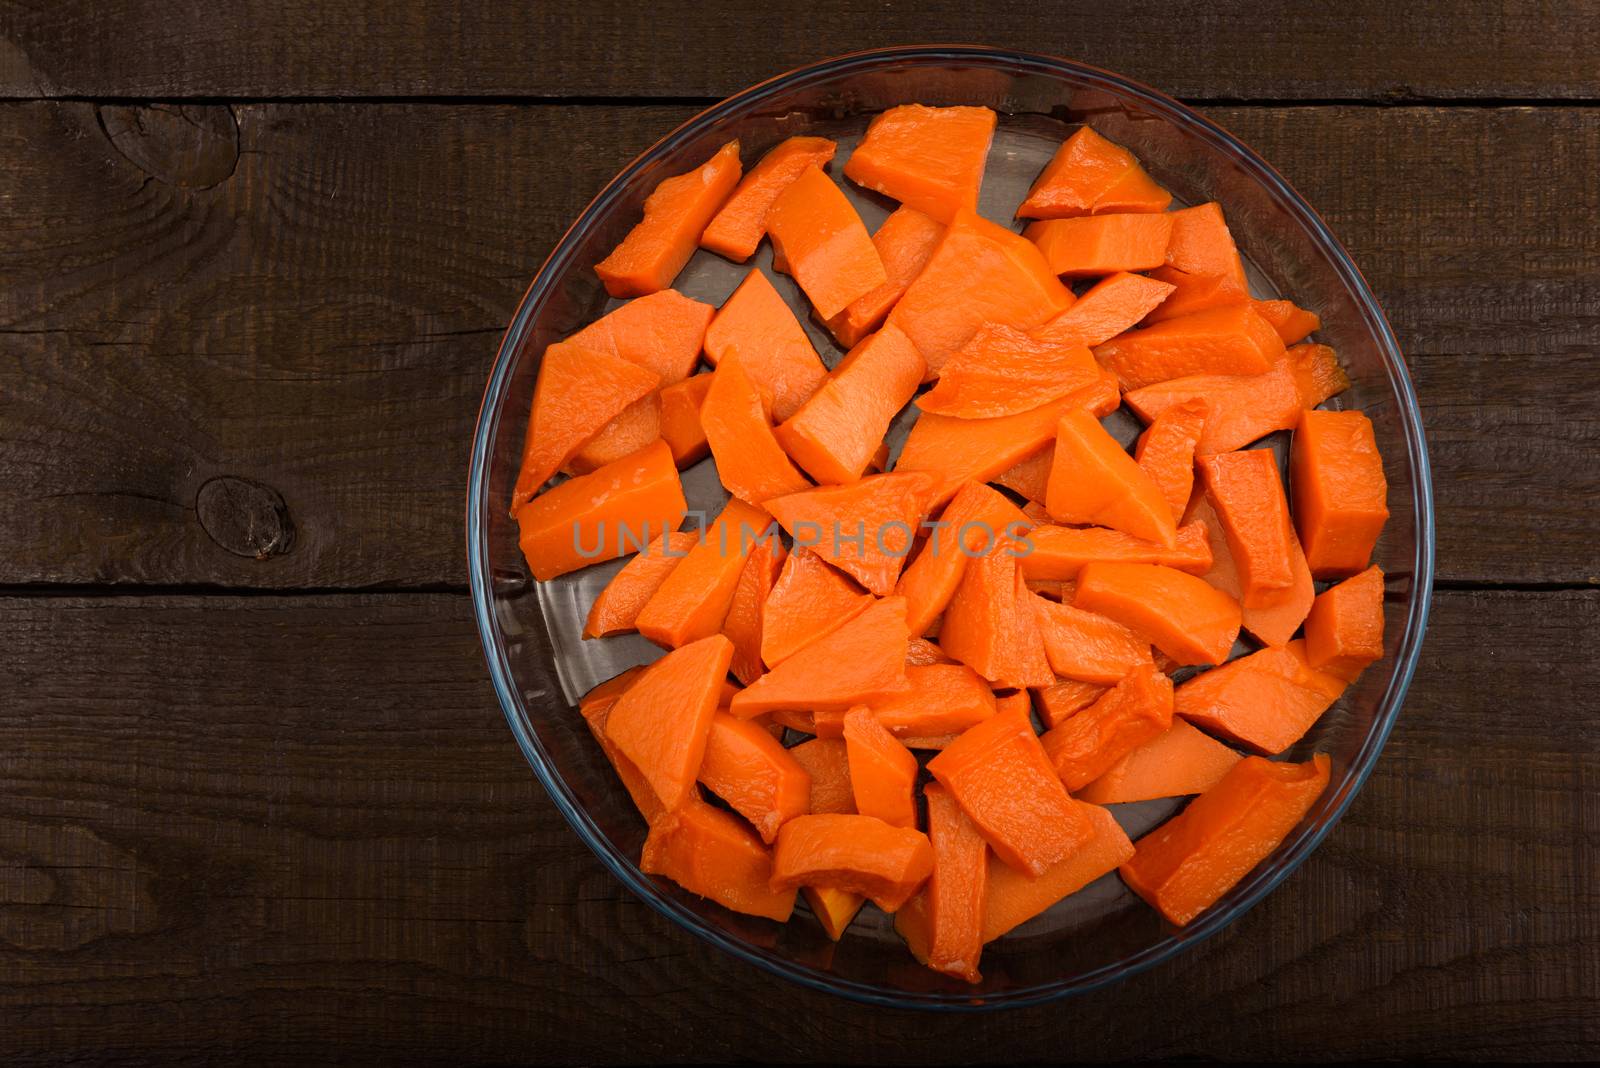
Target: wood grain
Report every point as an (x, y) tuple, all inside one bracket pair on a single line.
[(1362, 49), (255, 259), (290, 828), (318, 324)]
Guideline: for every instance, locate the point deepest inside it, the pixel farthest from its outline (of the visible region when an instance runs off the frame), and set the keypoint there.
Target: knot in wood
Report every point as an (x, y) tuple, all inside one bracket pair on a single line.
[(191, 146), (244, 517)]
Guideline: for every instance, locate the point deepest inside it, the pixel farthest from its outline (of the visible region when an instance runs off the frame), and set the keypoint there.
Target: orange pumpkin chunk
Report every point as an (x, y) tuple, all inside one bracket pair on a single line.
[(693, 600), (904, 242), (1239, 408), (679, 419), (1203, 262), (1060, 553), (577, 393), (931, 159), (745, 623), (661, 332), (660, 723), (1013, 897), (883, 773), (1182, 867), (860, 854), (1177, 613), (809, 599), (617, 607), (864, 529), (1247, 494), (956, 451), (710, 853), (1004, 371), (862, 661), (1231, 340), (1086, 172), (1088, 647), (1110, 307), (956, 890), (739, 225), (1344, 632), (1266, 701), (750, 462), (675, 215), (828, 764), (990, 624), (1179, 761), (1273, 616), (1340, 493), (1102, 244), (595, 707), (748, 768), (834, 909), (942, 699), (1166, 451), (600, 516), (823, 243), (1292, 323), (837, 431), (980, 273), (756, 323), (1065, 698), (974, 520), (998, 772), (1134, 711), (1093, 480)]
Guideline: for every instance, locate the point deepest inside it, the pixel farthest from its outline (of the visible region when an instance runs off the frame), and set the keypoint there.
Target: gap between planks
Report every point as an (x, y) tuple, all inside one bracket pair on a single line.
[(1392, 99)]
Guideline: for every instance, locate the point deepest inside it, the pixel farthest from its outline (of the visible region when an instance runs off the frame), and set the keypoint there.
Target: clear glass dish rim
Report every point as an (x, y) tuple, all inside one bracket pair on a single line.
[(1256, 885)]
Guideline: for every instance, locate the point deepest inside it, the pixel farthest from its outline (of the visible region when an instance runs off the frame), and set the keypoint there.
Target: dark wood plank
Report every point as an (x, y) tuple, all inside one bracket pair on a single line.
[(288, 827), (316, 327), (313, 321), (1364, 49)]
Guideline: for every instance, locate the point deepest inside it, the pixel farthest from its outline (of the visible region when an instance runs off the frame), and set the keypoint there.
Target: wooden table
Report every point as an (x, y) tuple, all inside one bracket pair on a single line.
[(258, 800)]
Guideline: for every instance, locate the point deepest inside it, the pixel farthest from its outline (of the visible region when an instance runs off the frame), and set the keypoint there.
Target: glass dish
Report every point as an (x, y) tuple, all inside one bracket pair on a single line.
[(530, 631)]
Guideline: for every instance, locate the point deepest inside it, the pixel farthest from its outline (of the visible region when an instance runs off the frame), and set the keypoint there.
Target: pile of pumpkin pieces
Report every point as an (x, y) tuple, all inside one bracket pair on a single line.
[(1016, 568)]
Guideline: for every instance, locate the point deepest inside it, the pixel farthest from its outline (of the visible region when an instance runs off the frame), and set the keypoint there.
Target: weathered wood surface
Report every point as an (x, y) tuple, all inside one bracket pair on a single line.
[(1362, 49), (303, 301), (290, 828), (256, 260)]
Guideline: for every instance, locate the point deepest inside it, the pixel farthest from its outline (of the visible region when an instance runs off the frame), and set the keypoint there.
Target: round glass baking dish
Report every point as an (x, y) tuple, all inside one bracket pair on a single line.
[(530, 631)]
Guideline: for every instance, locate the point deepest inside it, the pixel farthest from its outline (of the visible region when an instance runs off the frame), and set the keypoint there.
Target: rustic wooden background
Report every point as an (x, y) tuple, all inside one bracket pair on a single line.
[(256, 797)]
